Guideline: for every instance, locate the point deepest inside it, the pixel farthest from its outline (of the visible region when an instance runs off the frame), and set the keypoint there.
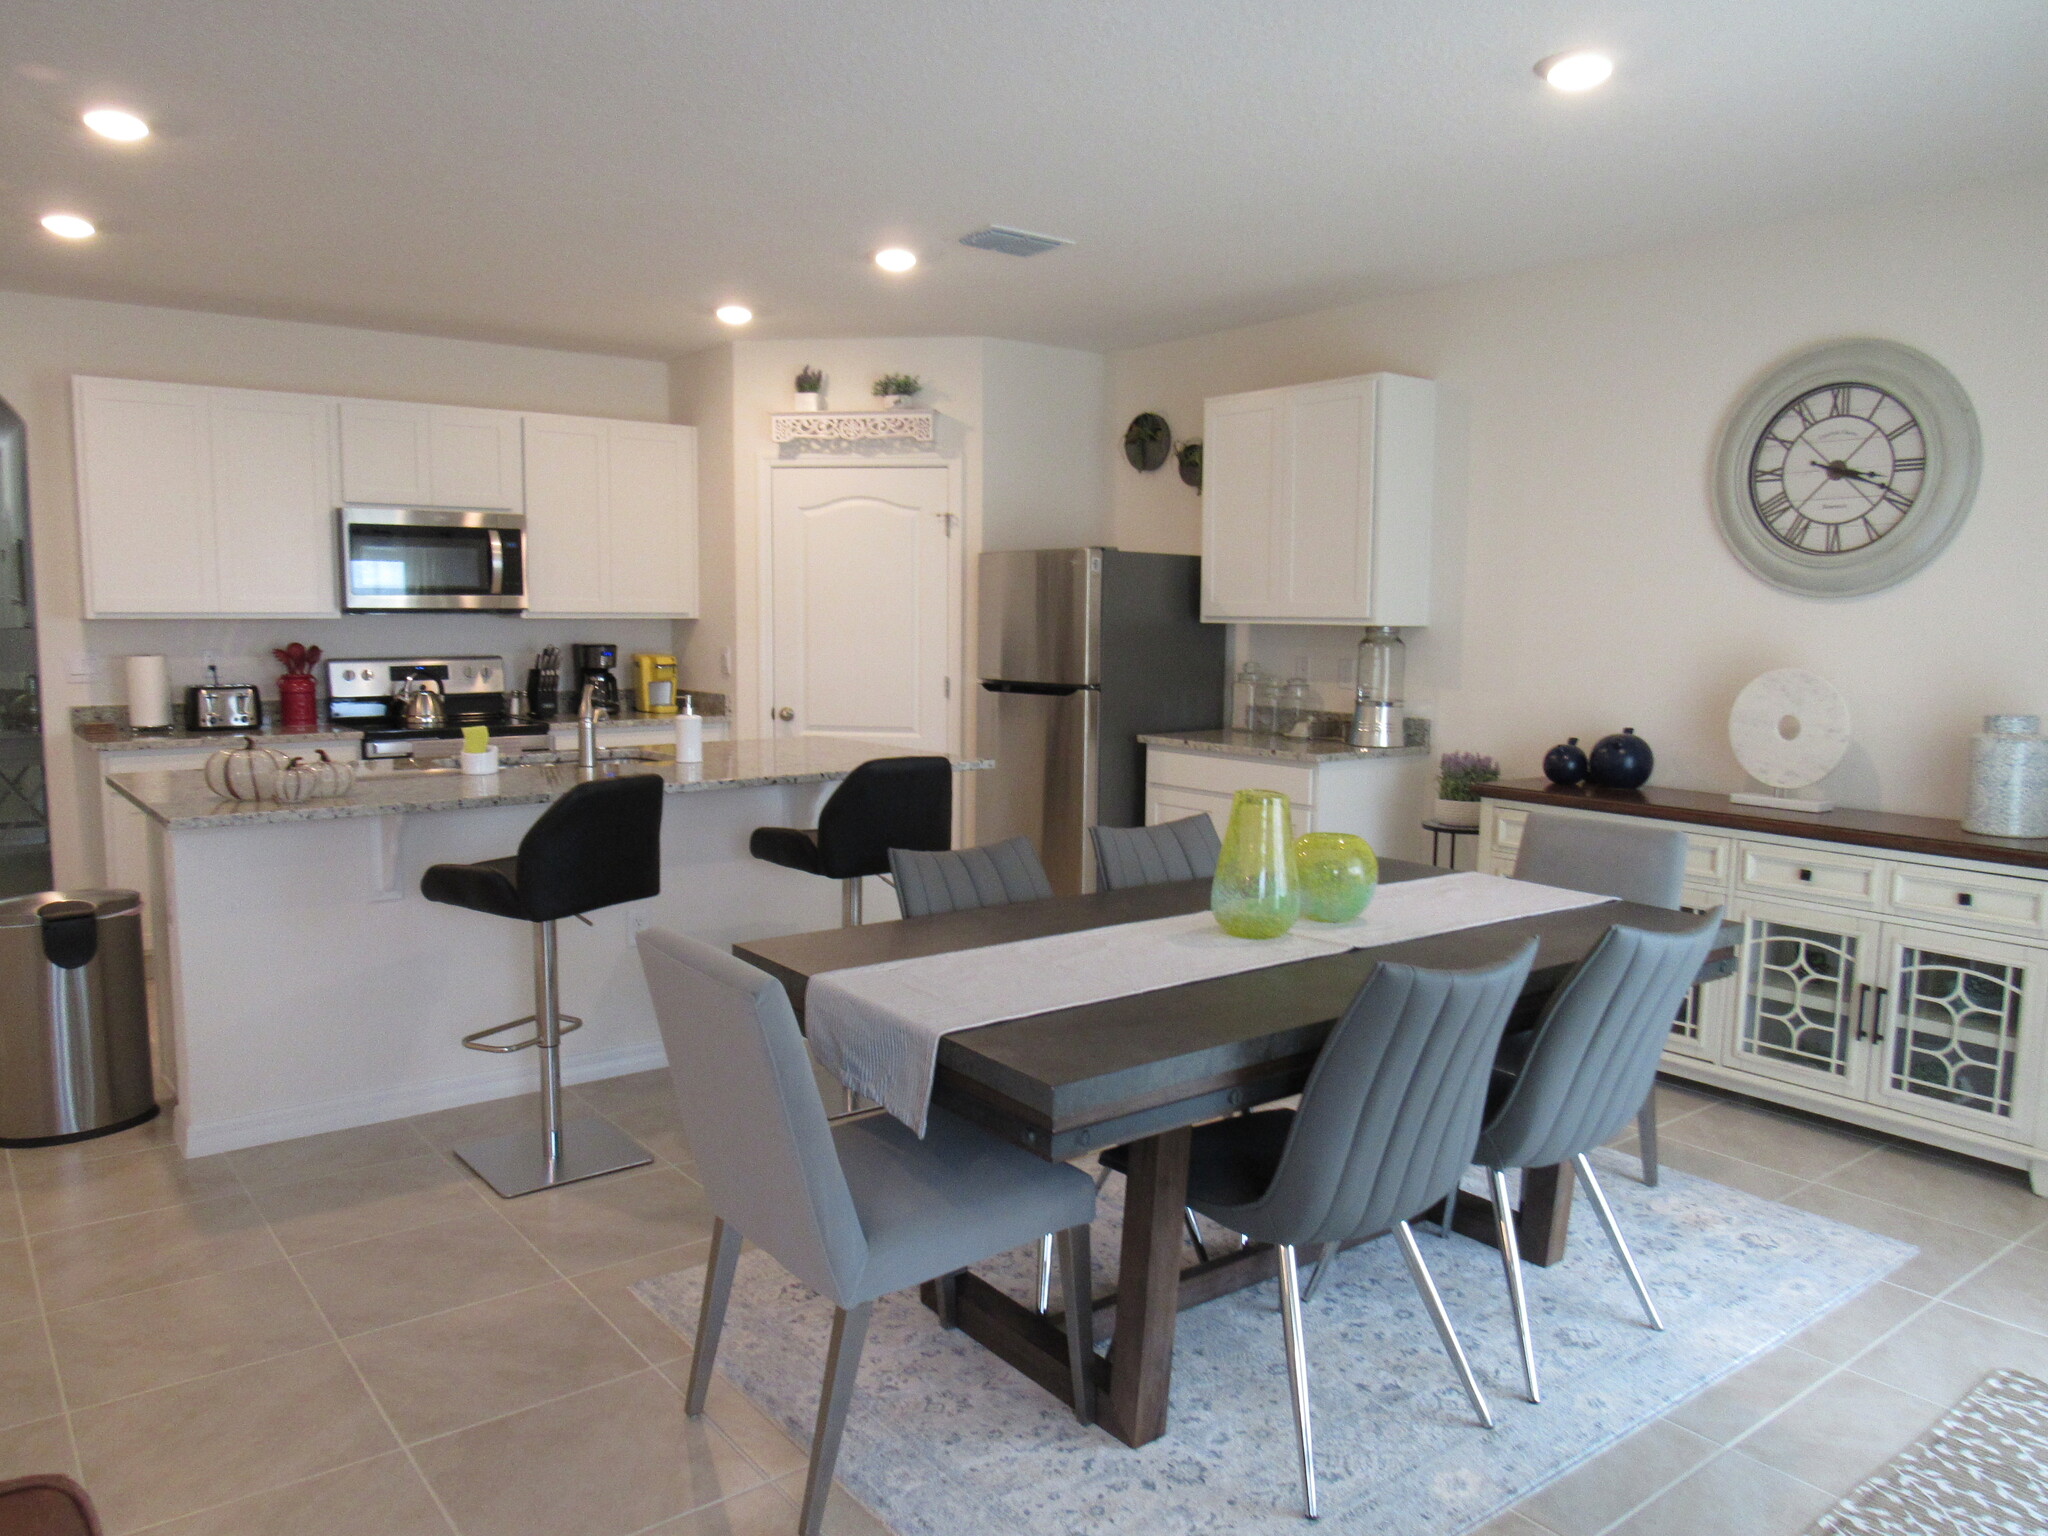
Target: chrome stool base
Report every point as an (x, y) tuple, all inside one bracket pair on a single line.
[(517, 1163)]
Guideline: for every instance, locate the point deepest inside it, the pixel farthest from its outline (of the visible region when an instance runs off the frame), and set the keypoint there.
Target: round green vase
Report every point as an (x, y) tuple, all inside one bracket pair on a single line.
[(1256, 893), (1339, 873)]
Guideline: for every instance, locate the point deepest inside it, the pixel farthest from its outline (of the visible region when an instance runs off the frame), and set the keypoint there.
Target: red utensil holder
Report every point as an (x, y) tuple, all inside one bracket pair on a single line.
[(298, 703)]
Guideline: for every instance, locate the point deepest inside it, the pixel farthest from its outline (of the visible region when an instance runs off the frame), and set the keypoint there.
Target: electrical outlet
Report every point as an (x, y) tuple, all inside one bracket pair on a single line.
[(207, 661), (82, 667), (725, 662)]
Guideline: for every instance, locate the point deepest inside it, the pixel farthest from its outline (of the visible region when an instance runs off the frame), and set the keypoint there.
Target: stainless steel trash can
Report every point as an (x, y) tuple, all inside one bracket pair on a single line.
[(74, 1017)]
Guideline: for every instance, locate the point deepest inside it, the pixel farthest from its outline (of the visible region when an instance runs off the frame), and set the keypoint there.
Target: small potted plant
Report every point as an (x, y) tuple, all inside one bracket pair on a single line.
[(893, 391), (1459, 775), (810, 386), (1190, 456)]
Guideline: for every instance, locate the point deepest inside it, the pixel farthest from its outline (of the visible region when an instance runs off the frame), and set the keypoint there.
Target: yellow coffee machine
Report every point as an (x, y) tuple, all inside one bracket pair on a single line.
[(654, 683)]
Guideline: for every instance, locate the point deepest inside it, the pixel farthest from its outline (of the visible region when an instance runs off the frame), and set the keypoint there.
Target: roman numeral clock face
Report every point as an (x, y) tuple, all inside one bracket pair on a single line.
[(1838, 469), (1846, 469)]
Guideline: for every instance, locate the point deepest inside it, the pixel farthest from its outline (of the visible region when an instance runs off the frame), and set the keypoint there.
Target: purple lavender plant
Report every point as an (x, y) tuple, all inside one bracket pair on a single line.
[(1459, 775)]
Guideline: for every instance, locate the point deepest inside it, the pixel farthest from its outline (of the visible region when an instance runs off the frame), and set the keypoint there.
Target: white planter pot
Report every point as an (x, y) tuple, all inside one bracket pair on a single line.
[(1457, 813), (892, 402), (810, 401)]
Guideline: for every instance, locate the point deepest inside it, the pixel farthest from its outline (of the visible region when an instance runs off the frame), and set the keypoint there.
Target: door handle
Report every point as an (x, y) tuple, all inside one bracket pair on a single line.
[(1862, 1002), (785, 713), (1878, 998)]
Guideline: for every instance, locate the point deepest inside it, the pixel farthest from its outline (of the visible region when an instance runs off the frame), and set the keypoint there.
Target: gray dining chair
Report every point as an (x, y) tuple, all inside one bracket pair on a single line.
[(965, 878), (1127, 857), (856, 1208), (1609, 858), (1172, 850), (1573, 1081), (1385, 1129)]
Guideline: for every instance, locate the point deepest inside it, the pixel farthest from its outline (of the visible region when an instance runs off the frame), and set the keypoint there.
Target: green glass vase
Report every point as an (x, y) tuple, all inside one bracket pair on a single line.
[(1339, 873), (1256, 894)]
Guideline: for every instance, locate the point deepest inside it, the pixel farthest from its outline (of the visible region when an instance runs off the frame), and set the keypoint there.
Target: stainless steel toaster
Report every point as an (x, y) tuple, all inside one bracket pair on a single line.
[(223, 707)]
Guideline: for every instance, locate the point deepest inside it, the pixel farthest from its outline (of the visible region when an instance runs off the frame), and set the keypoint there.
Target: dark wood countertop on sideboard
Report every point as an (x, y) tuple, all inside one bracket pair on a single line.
[(1866, 829)]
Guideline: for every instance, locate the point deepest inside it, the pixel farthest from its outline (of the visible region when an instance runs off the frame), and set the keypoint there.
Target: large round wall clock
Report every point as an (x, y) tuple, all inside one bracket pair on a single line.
[(1846, 469)]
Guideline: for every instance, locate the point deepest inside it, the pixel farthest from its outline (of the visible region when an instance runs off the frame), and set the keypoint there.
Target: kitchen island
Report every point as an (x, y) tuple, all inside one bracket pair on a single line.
[(303, 984)]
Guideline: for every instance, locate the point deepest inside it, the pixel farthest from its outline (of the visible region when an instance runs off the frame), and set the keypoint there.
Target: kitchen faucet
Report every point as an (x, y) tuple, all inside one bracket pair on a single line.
[(586, 726)]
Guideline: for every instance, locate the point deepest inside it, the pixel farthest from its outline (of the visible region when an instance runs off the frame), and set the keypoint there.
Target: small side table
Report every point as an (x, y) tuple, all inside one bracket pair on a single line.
[(1442, 833)]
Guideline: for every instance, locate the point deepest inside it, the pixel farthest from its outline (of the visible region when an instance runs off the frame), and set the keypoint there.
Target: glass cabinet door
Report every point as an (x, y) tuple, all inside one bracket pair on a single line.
[(1799, 1013), (1701, 1025), (1954, 1029)]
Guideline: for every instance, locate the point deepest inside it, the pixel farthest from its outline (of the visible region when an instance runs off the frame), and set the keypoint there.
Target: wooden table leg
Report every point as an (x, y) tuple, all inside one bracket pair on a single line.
[(1148, 1289), (1545, 1215)]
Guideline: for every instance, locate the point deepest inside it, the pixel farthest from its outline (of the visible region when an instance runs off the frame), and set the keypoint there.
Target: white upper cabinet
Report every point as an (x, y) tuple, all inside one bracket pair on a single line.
[(430, 455), (204, 501), (611, 517), (1317, 502)]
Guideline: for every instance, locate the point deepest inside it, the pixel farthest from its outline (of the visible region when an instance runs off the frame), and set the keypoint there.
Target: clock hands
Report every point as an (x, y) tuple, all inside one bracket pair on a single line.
[(1841, 471)]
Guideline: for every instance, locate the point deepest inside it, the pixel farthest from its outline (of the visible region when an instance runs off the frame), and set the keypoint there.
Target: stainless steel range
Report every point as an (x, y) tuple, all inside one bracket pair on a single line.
[(373, 695)]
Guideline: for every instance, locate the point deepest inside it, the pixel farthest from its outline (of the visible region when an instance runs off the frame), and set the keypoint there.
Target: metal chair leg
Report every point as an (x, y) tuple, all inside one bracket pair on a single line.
[(1077, 1286), (1443, 1226), (1326, 1255), (1045, 1274), (1606, 1212), (1195, 1234), (1646, 1137), (1297, 1371), (1511, 1261), (842, 1362), (850, 903), (1426, 1287), (718, 1273)]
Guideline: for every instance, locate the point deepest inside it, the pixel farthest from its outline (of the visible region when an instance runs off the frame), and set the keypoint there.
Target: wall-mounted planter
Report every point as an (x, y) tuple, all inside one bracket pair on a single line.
[(1190, 456), (1147, 441)]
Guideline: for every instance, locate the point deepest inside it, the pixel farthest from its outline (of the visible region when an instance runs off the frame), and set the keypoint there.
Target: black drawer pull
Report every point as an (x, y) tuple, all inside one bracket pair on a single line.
[(1965, 899), (1806, 874)]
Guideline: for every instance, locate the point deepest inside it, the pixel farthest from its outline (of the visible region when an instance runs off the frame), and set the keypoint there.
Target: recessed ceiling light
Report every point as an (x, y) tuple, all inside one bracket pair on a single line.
[(113, 123), (895, 259), (1577, 71), (734, 314), (69, 225)]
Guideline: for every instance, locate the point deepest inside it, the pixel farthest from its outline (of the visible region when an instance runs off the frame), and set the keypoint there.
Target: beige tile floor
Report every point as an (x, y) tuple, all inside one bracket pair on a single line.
[(350, 1336)]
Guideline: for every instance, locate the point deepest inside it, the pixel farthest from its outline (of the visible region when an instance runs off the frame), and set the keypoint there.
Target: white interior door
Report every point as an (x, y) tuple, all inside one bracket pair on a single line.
[(865, 588)]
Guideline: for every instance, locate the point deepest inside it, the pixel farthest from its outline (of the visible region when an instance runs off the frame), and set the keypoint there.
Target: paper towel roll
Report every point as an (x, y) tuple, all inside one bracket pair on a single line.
[(149, 693)]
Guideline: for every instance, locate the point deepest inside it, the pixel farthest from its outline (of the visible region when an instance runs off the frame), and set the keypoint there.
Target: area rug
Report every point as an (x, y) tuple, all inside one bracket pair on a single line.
[(1981, 1471), (943, 1438)]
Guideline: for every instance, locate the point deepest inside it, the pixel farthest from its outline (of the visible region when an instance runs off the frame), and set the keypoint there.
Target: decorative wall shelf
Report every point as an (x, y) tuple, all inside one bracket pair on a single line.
[(851, 426)]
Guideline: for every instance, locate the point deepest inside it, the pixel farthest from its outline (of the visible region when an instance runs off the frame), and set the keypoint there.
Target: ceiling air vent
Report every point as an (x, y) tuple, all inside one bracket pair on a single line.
[(1012, 242)]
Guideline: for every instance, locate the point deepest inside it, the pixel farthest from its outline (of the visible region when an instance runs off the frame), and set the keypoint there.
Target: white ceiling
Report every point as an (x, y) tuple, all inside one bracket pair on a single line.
[(601, 173)]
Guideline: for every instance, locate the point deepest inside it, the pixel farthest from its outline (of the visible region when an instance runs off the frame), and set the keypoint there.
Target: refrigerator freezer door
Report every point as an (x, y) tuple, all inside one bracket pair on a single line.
[(1040, 616), (1044, 783)]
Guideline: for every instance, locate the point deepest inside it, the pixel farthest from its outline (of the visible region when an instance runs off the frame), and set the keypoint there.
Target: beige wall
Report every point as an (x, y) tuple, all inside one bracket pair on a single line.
[(44, 341), (1581, 583)]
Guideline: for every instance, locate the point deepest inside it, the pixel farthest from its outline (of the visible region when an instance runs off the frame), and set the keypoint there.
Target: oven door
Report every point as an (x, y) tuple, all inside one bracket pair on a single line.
[(405, 559)]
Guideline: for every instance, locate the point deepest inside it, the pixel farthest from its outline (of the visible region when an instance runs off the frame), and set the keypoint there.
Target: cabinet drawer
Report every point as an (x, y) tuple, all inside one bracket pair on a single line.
[(1791, 872), (1227, 775), (1970, 899), (1707, 860)]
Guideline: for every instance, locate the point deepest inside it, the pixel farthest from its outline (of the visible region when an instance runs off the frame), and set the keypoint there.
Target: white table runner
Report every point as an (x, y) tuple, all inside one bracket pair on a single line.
[(877, 1027)]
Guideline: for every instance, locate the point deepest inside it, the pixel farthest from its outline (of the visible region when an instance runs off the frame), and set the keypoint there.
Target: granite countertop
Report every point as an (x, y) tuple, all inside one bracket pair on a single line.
[(181, 801), (113, 736), (1230, 743)]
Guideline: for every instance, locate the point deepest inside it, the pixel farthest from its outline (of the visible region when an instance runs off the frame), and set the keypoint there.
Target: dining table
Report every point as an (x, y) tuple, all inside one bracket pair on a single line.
[(1142, 1070)]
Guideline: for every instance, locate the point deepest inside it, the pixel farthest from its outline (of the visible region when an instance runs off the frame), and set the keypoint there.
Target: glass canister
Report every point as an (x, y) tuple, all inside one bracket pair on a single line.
[(1245, 696), (1256, 893), (1378, 719), (1339, 873), (2008, 778), (1266, 705)]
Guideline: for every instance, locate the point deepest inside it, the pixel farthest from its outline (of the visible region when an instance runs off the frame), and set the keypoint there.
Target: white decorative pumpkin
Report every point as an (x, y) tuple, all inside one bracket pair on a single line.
[(247, 772), (301, 780)]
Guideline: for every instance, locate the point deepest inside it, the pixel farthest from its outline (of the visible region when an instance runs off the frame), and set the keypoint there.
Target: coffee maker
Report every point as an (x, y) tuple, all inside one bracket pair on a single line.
[(594, 664)]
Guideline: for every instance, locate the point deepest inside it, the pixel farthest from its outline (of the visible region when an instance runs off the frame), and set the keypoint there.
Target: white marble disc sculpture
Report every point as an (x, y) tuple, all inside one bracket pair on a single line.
[(1789, 728)]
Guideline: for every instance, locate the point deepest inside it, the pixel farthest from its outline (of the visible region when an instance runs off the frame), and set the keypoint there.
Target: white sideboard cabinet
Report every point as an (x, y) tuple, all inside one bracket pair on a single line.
[(1893, 974), (1317, 502), (201, 501)]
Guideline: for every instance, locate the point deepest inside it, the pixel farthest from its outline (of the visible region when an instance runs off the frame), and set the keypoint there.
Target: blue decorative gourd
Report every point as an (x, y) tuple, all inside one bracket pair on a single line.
[(1566, 763), (1620, 762)]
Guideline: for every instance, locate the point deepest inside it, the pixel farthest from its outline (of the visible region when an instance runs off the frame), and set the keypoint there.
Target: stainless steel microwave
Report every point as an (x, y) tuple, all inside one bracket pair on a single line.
[(409, 559)]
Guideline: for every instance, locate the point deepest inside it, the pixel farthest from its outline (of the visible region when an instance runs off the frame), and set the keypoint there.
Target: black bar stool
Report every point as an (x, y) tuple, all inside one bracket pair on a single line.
[(890, 802), (599, 845)]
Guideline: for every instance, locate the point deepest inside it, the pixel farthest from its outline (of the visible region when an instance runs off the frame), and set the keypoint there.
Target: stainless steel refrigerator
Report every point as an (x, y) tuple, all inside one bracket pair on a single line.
[(1081, 651)]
